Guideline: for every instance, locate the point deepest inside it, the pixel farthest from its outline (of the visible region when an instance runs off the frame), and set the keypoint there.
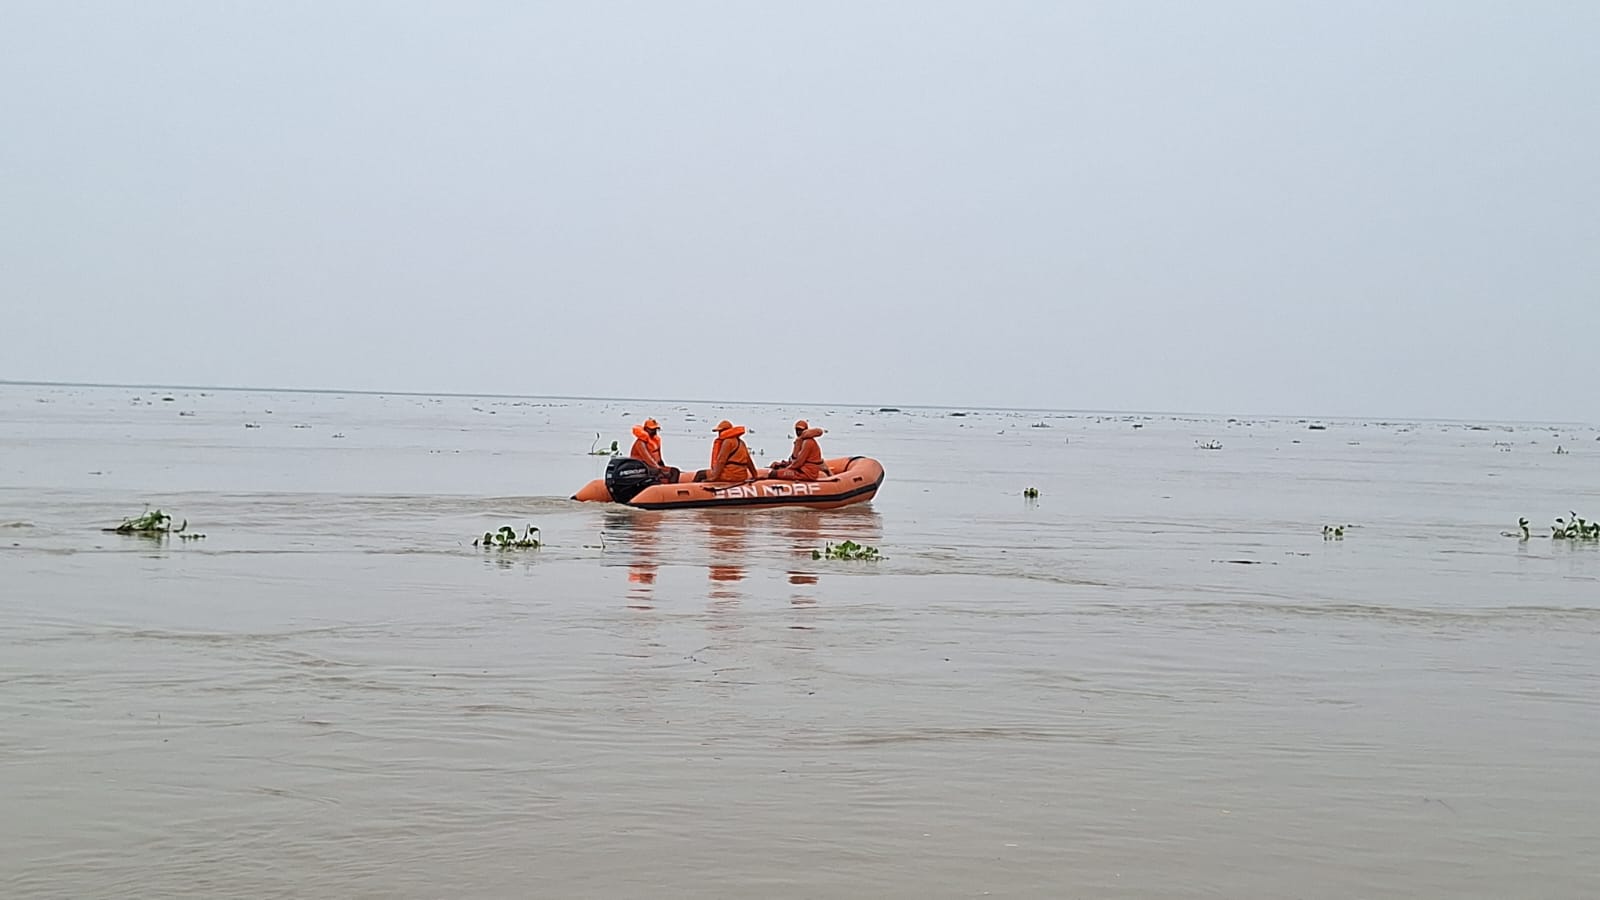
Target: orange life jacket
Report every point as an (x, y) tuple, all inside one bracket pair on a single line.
[(730, 458), (647, 448)]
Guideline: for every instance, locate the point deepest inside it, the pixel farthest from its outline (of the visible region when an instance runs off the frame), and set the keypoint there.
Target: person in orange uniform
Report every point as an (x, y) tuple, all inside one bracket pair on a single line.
[(647, 446), (730, 458), (805, 463)]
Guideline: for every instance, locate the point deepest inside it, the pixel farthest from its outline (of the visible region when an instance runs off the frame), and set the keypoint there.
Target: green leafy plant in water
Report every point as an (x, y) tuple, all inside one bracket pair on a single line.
[(156, 524), (847, 550), (1521, 533), (1576, 529), (1032, 493), (506, 539), (613, 451), (152, 521)]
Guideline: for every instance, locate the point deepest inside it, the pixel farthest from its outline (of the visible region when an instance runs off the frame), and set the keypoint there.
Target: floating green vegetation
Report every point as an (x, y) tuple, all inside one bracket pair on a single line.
[(1575, 529), (1032, 493), (847, 550), (1333, 532), (602, 451), (506, 539), (156, 524)]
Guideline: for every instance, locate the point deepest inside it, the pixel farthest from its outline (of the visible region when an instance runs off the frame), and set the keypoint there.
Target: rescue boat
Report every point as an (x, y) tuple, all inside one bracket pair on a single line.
[(853, 479)]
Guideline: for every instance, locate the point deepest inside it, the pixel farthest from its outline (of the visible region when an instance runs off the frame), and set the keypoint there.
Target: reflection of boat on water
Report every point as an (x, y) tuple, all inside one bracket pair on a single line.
[(727, 539), (804, 531), (639, 532), (808, 530), (854, 479), (653, 545)]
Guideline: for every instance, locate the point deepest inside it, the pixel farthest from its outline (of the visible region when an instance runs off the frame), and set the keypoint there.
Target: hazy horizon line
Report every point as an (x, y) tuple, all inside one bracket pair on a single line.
[(9, 382)]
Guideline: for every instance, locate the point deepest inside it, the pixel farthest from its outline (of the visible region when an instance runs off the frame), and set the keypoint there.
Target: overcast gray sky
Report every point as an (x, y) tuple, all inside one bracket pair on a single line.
[(1380, 208)]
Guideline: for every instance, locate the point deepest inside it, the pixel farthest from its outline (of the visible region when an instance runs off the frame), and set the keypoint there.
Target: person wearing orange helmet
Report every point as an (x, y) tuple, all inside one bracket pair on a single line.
[(647, 444), (805, 463), (730, 458)]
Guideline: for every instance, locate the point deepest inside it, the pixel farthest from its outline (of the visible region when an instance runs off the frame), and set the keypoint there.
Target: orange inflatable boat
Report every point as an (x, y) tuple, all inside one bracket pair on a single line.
[(854, 479)]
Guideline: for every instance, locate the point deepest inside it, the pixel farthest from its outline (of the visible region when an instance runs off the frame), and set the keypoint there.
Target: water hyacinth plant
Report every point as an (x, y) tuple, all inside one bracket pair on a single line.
[(155, 523), (1575, 529), (847, 550), (506, 539)]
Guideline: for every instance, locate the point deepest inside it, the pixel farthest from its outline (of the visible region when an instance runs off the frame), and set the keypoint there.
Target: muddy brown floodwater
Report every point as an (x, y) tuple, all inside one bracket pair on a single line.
[(1156, 680)]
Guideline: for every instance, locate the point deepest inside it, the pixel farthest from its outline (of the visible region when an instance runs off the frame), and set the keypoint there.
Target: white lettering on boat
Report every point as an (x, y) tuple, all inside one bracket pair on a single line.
[(775, 489)]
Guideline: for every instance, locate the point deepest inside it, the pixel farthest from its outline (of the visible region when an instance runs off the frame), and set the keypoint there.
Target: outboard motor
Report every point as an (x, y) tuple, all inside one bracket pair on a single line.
[(626, 477)]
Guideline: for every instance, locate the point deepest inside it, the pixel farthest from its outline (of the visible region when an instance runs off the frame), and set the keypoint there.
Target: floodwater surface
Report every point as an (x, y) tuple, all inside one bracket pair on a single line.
[(1157, 680)]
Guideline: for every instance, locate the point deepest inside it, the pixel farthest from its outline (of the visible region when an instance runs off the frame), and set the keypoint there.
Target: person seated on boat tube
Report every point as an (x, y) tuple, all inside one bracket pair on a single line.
[(805, 463), (647, 444), (647, 449), (730, 458)]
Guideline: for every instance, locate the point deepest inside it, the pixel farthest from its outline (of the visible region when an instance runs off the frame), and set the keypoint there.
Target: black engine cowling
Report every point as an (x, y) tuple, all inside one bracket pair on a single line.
[(626, 477)]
